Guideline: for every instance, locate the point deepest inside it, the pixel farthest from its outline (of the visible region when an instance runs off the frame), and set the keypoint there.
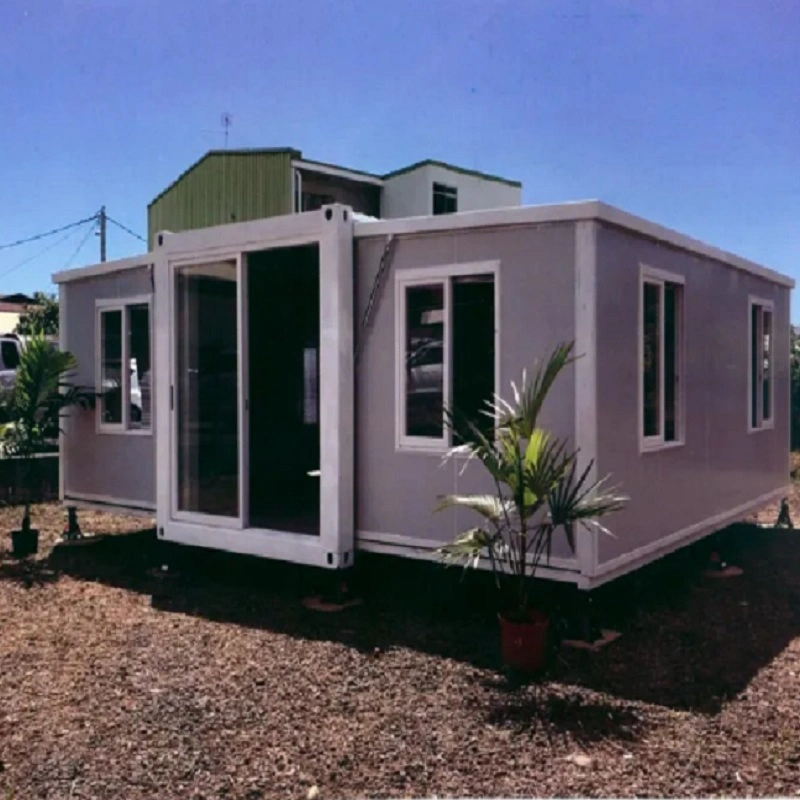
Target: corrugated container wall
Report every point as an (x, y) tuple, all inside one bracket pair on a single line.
[(224, 187)]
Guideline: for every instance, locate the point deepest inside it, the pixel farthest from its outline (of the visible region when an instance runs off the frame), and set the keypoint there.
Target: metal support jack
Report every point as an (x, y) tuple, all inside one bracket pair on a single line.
[(717, 565), (338, 598), (579, 627), (72, 530), (784, 518)]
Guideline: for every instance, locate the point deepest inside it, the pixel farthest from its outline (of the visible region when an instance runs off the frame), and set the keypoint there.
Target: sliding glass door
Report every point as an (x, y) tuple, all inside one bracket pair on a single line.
[(206, 392)]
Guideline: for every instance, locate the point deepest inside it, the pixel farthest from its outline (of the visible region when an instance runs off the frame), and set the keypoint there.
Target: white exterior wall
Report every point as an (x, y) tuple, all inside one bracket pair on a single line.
[(410, 194)]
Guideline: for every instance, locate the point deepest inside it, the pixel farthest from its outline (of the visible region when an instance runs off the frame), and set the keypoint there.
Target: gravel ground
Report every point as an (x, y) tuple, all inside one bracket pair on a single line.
[(118, 683)]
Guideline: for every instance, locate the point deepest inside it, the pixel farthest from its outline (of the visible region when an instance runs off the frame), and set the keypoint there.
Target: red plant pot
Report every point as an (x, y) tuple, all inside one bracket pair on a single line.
[(524, 644)]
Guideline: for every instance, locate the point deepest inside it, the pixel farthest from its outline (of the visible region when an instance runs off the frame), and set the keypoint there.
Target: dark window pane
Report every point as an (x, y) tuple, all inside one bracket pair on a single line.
[(111, 367), (754, 358), (445, 199), (766, 339), (140, 368), (473, 349), (425, 361), (10, 354), (671, 355), (651, 351)]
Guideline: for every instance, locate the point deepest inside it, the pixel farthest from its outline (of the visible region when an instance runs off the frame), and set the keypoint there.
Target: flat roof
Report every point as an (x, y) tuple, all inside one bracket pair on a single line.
[(564, 212)]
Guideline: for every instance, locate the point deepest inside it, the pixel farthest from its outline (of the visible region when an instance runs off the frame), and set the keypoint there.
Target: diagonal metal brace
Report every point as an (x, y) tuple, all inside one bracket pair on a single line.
[(374, 295)]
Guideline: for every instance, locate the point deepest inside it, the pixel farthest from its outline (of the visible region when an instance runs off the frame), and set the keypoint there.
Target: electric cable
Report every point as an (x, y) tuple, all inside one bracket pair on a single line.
[(42, 252), (80, 245), (47, 233), (127, 230)]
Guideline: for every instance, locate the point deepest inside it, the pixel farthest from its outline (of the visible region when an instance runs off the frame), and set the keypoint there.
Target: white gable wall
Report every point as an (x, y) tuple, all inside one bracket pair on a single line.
[(410, 194)]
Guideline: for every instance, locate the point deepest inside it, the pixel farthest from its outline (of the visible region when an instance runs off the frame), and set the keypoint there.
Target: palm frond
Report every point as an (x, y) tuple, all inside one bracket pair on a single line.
[(468, 547), (490, 507), (530, 396), (577, 501)]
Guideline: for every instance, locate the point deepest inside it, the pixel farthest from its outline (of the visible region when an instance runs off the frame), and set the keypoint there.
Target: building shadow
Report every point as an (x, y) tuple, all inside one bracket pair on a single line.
[(688, 642)]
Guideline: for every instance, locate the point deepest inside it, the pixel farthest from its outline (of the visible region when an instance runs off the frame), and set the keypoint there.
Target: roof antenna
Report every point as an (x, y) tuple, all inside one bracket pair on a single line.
[(226, 120)]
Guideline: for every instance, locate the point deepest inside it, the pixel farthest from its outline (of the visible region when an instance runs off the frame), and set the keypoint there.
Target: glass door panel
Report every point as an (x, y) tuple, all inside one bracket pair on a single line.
[(207, 390)]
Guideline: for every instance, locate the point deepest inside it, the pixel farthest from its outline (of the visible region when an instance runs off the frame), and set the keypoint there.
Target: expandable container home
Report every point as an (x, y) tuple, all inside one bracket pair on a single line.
[(275, 387)]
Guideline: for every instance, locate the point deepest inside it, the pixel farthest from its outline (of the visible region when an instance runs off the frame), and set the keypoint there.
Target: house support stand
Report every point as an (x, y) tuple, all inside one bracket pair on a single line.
[(718, 564), (578, 626), (784, 518), (337, 596), (72, 530)]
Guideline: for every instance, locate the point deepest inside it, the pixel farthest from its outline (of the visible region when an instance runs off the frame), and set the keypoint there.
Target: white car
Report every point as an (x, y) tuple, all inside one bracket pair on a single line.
[(10, 354)]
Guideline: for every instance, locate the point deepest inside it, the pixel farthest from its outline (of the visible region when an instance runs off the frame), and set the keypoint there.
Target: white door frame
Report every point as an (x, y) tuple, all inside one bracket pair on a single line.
[(332, 229)]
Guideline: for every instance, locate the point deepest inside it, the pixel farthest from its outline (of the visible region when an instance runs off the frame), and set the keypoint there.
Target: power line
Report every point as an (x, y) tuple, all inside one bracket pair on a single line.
[(47, 233), (127, 230), (42, 252), (83, 241)]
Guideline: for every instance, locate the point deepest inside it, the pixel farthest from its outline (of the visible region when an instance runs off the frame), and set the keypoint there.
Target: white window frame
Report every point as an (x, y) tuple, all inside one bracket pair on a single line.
[(659, 277), (768, 423), (122, 304), (426, 276)]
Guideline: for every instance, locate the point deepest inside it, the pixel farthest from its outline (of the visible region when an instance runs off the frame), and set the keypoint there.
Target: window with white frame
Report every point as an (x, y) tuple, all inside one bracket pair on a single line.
[(760, 361), (446, 351), (661, 338), (125, 365)]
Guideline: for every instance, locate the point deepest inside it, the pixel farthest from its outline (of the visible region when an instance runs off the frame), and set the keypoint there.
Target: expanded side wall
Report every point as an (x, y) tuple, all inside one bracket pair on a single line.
[(396, 491), (102, 467), (682, 492)]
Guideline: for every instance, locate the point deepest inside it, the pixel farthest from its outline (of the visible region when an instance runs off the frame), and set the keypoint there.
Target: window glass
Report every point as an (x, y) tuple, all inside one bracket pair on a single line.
[(424, 357), (651, 352), (111, 367), (671, 355), (766, 355), (140, 383), (473, 348), (755, 318), (445, 199)]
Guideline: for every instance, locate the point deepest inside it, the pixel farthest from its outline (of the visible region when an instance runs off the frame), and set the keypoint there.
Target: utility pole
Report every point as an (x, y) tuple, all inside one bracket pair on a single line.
[(102, 216)]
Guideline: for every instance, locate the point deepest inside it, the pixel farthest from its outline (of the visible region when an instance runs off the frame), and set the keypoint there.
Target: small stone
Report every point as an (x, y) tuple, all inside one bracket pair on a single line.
[(582, 760), (313, 793)]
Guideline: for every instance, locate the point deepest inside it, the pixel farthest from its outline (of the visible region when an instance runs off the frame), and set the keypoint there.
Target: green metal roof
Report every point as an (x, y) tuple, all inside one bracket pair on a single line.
[(242, 151)]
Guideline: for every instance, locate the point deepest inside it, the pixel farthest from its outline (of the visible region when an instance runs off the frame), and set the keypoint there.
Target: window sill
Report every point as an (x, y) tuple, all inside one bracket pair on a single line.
[(432, 449), (107, 431), (767, 426), (657, 447)]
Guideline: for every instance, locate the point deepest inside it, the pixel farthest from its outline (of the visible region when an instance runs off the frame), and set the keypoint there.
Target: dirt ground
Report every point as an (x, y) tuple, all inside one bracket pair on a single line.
[(117, 682)]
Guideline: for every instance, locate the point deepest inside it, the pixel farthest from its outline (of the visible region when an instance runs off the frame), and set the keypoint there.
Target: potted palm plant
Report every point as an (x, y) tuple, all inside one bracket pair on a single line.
[(539, 492), (32, 409)]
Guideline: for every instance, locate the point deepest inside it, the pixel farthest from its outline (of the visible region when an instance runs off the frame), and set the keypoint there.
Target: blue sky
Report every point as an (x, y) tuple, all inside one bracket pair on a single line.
[(683, 111)]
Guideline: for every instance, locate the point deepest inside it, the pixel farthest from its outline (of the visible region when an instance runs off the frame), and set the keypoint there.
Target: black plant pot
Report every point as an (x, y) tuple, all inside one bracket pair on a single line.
[(24, 543)]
